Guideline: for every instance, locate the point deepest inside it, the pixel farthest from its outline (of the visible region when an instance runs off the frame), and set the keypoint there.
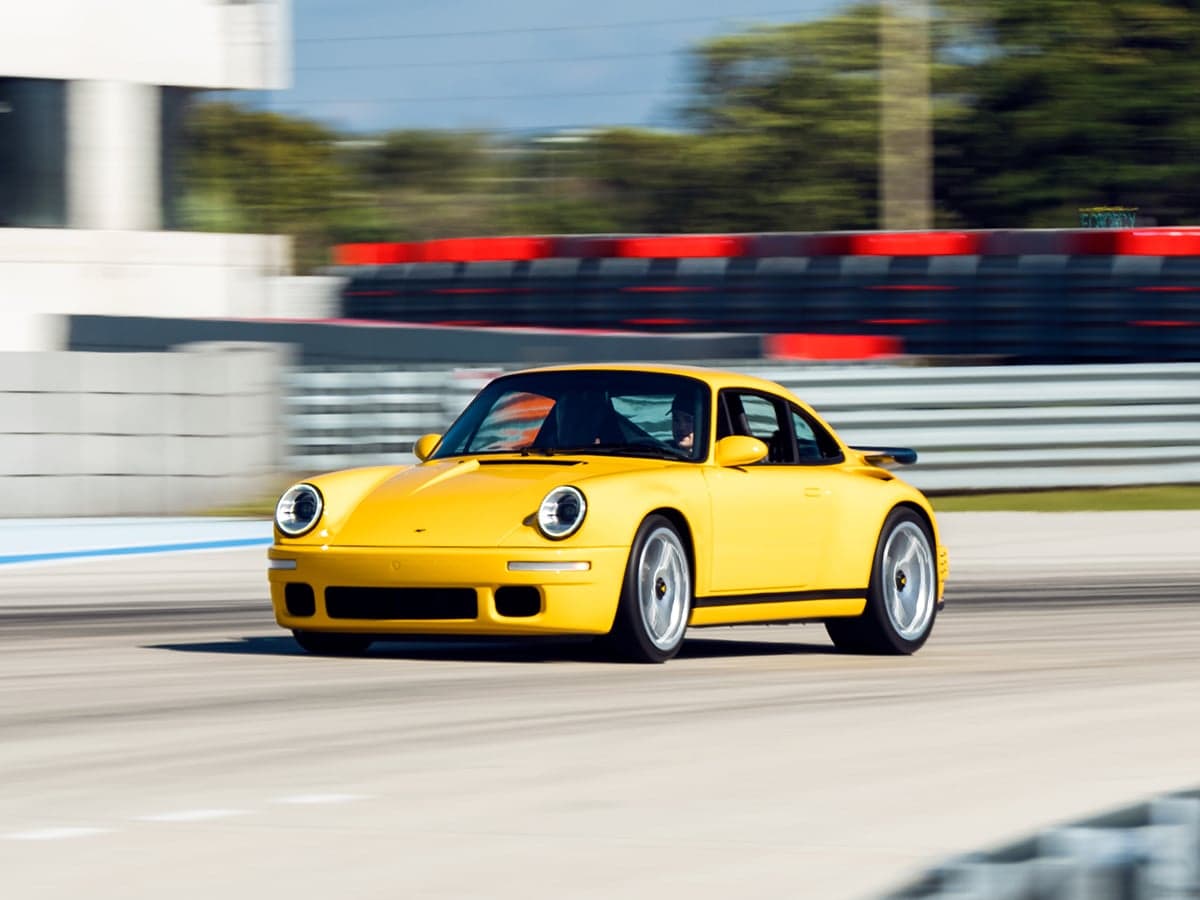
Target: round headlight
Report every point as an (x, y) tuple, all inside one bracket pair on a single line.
[(561, 513), (298, 510)]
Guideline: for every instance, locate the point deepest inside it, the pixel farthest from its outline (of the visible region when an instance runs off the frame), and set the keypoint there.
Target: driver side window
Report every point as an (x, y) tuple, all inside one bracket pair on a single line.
[(761, 417)]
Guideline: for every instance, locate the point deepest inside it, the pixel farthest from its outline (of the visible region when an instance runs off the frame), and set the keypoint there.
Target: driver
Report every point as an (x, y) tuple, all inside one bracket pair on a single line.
[(683, 423)]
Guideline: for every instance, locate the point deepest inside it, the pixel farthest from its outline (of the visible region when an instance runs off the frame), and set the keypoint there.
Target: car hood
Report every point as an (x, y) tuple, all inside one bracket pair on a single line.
[(471, 502)]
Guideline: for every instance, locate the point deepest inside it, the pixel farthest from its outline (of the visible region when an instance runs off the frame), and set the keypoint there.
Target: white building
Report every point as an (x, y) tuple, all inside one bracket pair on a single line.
[(92, 96)]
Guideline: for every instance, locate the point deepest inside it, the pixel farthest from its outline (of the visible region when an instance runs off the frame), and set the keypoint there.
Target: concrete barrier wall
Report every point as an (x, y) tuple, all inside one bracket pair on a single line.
[(99, 434)]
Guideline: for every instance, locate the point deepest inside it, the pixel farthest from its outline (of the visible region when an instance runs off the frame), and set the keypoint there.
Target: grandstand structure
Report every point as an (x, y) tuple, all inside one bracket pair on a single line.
[(92, 103)]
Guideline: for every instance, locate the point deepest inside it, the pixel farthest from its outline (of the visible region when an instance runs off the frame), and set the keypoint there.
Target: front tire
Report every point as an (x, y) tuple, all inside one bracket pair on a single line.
[(656, 596), (902, 596), (324, 643)]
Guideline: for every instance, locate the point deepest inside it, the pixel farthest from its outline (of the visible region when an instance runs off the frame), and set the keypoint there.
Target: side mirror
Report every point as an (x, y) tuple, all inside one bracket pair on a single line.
[(425, 446), (740, 450)]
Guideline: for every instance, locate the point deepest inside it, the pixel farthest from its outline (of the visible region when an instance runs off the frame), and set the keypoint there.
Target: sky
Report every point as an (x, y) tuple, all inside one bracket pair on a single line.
[(506, 65)]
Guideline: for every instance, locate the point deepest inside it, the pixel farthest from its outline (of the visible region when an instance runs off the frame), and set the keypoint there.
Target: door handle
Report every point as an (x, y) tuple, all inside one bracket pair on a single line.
[(812, 492)]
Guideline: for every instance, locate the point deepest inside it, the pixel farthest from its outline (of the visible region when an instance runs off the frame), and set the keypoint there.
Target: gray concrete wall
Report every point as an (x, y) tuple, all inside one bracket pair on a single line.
[(99, 434)]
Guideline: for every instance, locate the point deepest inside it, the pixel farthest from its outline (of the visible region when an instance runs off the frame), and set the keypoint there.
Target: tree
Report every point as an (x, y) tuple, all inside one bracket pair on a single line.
[(246, 170), (1058, 105), (789, 120)]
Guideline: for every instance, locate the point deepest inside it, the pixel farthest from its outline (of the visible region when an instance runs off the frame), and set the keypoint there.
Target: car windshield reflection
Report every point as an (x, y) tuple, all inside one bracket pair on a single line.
[(598, 412)]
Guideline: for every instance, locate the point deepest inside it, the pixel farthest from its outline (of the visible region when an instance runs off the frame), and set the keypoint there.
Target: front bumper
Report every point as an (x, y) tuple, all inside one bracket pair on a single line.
[(571, 600)]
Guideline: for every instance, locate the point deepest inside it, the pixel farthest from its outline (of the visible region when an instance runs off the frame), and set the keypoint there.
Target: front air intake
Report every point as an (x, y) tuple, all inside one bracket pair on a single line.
[(299, 599), (518, 601), (401, 603)]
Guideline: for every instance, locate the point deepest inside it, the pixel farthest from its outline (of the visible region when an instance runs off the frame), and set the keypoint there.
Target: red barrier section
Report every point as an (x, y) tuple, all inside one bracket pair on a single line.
[(915, 243), (1183, 241), (381, 254), (684, 246), (831, 346), (1160, 242), (487, 249)]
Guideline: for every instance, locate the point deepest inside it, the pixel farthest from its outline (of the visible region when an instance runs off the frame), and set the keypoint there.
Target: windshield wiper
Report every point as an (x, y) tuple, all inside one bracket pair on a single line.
[(650, 451)]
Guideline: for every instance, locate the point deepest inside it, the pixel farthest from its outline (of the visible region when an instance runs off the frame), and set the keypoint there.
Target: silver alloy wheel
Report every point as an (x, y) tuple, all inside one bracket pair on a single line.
[(908, 580), (664, 588)]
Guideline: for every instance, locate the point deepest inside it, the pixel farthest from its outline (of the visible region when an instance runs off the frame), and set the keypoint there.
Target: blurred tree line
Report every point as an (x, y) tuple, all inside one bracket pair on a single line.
[(1040, 107)]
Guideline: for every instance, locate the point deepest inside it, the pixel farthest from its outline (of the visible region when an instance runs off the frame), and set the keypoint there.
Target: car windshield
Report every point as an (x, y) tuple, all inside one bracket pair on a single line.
[(604, 412)]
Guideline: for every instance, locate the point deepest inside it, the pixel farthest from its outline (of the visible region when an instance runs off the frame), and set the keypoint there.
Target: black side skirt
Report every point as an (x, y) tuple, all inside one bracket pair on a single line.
[(781, 597)]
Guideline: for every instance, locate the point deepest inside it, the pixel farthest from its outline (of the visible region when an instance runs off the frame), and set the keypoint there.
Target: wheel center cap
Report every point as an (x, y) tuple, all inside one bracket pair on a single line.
[(901, 581), (660, 588)]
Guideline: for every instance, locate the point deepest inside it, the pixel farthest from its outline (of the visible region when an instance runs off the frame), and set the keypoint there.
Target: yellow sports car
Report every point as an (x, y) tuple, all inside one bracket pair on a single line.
[(627, 501)]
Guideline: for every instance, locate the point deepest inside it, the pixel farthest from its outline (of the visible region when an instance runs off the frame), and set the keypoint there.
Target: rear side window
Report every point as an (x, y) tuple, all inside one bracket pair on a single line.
[(813, 443)]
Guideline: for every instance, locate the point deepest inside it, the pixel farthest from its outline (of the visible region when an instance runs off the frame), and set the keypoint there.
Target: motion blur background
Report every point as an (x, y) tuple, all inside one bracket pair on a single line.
[(882, 184)]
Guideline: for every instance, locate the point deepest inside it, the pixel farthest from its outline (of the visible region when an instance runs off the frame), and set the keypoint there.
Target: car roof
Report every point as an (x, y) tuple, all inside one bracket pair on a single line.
[(714, 378)]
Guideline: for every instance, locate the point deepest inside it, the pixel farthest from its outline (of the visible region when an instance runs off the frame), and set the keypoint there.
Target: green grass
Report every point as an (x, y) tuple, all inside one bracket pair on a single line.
[(1186, 496)]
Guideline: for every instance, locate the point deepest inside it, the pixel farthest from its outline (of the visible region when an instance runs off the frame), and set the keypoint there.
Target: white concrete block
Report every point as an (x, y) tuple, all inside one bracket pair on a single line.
[(253, 414), (18, 454), (188, 374), (56, 373), (59, 454), (19, 496), (127, 414), (16, 413), (192, 495), (197, 373), (102, 495), (141, 495), (199, 456), (57, 413), (123, 373), (245, 453), (201, 415), (16, 371), (64, 495), (121, 454)]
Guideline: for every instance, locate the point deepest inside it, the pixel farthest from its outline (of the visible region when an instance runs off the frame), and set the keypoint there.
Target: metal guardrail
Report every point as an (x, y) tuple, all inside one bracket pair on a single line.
[(1150, 851), (975, 428)]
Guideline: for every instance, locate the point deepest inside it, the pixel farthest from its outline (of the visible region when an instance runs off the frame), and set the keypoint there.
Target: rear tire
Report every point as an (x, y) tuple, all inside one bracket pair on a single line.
[(324, 643), (902, 596), (656, 596)]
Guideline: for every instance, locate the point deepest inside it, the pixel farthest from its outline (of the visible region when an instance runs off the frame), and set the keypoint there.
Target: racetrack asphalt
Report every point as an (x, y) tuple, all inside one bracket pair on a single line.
[(159, 736)]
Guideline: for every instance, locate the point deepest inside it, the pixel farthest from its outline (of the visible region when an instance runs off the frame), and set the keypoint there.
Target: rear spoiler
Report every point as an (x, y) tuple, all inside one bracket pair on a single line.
[(882, 456)]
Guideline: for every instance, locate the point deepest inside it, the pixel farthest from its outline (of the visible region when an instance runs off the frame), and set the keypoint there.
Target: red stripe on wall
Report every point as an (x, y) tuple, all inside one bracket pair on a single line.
[(684, 246), (831, 346), (377, 254), (487, 249), (915, 243), (1134, 242)]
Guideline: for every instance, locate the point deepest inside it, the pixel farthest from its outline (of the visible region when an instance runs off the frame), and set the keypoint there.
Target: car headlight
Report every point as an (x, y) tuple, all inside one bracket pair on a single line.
[(561, 512), (298, 510)]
